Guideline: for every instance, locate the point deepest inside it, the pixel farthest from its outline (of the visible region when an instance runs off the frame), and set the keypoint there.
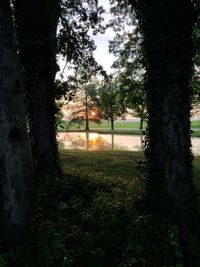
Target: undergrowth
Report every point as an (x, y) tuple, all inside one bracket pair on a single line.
[(95, 221)]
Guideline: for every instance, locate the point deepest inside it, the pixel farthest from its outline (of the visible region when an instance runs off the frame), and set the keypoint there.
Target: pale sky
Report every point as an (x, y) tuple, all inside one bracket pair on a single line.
[(101, 54)]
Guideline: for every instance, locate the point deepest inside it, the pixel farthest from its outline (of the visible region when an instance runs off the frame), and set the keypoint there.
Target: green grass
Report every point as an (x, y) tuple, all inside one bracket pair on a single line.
[(106, 125), (115, 164), (195, 124), (92, 218), (104, 190), (121, 127), (196, 133), (121, 164), (117, 125)]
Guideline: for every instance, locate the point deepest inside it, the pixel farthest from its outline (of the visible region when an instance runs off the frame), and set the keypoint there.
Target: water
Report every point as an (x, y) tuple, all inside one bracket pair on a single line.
[(95, 141)]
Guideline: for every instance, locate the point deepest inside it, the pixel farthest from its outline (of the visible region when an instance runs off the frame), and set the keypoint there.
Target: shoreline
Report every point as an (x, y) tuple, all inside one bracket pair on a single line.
[(195, 133)]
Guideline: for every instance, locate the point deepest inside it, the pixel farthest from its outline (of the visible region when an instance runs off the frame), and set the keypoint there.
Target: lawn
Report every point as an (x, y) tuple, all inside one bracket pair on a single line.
[(118, 125), (114, 164), (108, 230), (106, 125), (195, 124), (92, 217), (121, 127)]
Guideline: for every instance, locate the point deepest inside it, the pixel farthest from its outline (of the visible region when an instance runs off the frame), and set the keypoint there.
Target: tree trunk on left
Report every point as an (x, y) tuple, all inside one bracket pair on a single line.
[(36, 23), (15, 153)]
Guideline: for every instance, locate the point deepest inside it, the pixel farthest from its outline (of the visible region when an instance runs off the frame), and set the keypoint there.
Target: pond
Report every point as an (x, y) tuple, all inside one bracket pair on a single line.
[(96, 141)]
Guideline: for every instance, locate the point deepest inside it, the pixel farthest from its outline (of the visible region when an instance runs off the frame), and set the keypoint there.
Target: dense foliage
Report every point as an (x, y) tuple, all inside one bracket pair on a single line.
[(129, 68), (111, 105)]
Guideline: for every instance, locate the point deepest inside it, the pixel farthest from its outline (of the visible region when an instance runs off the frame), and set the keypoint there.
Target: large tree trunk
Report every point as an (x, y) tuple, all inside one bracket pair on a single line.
[(15, 153), (36, 23), (167, 29)]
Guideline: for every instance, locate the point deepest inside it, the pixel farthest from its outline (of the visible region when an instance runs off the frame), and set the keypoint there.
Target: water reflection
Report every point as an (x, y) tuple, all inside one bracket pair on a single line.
[(196, 145), (94, 141)]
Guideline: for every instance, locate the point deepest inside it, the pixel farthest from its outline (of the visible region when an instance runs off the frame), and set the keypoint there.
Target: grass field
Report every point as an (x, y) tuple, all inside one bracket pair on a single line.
[(118, 125), (195, 124), (114, 164), (119, 164), (106, 125), (93, 217), (104, 187), (121, 127)]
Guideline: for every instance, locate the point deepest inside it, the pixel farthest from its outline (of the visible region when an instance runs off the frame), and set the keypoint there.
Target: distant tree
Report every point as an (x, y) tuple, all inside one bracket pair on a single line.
[(85, 104), (112, 106), (132, 91), (91, 102), (126, 47), (15, 153)]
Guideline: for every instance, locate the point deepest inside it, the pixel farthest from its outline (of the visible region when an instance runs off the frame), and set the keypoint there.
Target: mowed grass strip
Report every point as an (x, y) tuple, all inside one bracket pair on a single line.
[(128, 126), (106, 125)]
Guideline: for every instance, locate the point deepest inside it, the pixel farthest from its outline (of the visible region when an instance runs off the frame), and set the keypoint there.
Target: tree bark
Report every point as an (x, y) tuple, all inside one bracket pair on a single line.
[(167, 30), (112, 141), (141, 123), (87, 141), (36, 23), (112, 123), (15, 153), (86, 112)]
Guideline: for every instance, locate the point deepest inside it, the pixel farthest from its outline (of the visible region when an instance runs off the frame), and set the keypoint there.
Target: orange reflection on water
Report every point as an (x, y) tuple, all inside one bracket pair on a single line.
[(94, 141)]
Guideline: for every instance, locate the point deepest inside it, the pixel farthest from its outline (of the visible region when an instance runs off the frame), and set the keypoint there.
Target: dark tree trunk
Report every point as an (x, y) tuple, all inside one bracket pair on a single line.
[(112, 141), (87, 124), (112, 123), (15, 153), (87, 141), (36, 23), (141, 123), (167, 29), (86, 113)]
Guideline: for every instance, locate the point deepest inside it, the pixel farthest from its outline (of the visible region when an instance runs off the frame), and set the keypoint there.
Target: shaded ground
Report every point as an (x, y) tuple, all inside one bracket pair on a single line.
[(92, 217)]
